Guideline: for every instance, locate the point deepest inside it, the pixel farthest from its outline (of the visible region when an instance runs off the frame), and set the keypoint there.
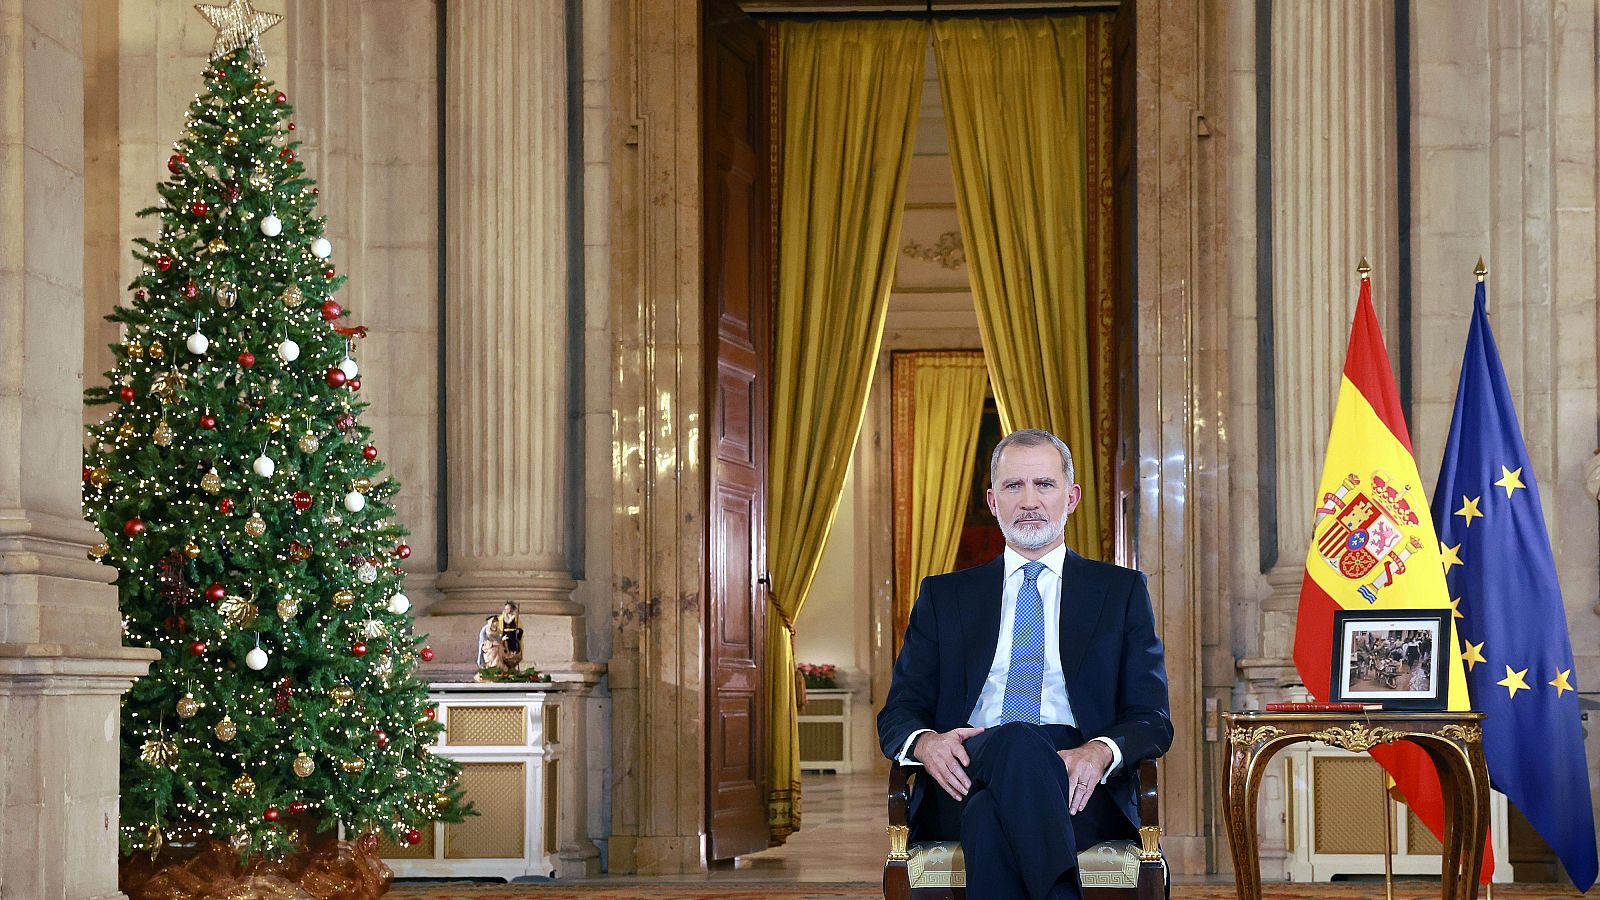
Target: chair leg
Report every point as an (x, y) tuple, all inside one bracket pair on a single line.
[(896, 881), (1152, 881)]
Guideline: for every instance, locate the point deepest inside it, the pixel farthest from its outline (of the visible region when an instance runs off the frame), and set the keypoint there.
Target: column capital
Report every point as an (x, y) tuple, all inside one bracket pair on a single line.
[(483, 592)]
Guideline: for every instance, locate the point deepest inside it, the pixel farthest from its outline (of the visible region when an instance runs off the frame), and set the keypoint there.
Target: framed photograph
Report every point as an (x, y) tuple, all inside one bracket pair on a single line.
[(1391, 656)]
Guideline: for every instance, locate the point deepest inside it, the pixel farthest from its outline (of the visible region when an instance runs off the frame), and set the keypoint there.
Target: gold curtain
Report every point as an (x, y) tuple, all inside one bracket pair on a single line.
[(850, 92), (1014, 98), (937, 408)]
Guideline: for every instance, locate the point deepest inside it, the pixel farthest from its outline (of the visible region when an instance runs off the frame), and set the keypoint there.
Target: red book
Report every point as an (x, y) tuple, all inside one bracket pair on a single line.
[(1323, 707)]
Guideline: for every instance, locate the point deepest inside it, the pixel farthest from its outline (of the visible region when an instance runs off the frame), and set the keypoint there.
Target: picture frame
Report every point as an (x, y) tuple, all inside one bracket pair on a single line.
[(1395, 657)]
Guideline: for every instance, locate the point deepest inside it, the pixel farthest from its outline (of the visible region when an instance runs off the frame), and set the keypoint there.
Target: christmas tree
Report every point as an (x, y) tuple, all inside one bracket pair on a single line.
[(243, 509)]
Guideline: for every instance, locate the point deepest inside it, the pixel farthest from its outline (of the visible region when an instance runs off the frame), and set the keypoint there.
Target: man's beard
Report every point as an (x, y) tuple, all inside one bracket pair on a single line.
[(1033, 535)]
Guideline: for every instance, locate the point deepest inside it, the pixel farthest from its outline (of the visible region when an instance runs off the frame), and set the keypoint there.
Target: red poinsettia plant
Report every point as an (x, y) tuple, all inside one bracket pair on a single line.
[(819, 675)]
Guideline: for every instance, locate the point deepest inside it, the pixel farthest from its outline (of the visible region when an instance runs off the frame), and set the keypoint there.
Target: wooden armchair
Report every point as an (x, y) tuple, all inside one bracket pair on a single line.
[(1113, 870)]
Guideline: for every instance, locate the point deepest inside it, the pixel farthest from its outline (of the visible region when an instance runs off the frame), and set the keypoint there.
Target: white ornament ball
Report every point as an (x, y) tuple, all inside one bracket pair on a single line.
[(288, 351), (399, 603), (197, 343), (349, 368), (256, 659), (264, 466), (321, 249), (271, 225), (355, 501), (366, 573)]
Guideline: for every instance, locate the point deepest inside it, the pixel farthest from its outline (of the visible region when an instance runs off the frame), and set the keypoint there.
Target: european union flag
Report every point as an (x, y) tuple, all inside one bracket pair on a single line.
[(1502, 579)]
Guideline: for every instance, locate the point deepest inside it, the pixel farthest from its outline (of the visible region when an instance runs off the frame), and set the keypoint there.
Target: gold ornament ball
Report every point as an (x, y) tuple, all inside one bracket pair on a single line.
[(342, 693), (191, 550), (304, 765), (441, 800), (125, 431), (231, 139), (216, 246), (260, 90), (353, 765), (244, 786), (99, 550), (255, 526), (288, 607), (157, 351), (274, 422), (309, 443), (135, 349), (292, 296), (226, 730), (162, 436), (211, 481), (343, 598), (363, 484), (99, 477), (187, 707)]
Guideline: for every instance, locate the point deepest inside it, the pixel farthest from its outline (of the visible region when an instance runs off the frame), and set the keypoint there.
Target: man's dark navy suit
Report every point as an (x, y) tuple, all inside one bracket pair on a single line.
[(1111, 659)]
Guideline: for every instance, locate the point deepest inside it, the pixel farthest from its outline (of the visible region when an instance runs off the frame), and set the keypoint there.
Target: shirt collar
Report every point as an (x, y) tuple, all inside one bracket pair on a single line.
[(1053, 560)]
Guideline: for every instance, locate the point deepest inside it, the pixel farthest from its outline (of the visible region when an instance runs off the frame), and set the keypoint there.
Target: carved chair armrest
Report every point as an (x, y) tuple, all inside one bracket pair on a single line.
[(1149, 814), (899, 811)]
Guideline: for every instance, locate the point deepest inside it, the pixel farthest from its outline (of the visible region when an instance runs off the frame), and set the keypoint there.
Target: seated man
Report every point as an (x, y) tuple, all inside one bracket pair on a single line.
[(1030, 688)]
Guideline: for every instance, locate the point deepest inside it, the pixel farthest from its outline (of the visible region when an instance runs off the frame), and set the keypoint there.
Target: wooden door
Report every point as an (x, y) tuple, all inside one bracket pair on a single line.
[(738, 242)]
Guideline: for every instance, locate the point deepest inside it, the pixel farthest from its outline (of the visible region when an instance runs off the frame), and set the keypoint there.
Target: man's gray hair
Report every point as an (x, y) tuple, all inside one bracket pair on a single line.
[(1031, 437)]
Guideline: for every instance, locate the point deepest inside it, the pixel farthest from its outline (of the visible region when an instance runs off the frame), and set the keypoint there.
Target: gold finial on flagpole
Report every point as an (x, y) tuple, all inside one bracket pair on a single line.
[(1365, 270), (1482, 270)]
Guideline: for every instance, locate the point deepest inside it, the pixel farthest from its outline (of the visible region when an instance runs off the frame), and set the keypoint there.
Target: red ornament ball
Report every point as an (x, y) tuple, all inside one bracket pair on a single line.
[(175, 162), (126, 393), (87, 471), (369, 452), (271, 815), (133, 527), (291, 126), (331, 310), (208, 421), (247, 359), (226, 506), (336, 377), (403, 551), (345, 421), (163, 262), (230, 191), (413, 836), (191, 290), (427, 654), (279, 97), (198, 648), (381, 738), (215, 592), (139, 294), (432, 714), (359, 648), (297, 807), (199, 208), (301, 500), (354, 384), (329, 272), (286, 154)]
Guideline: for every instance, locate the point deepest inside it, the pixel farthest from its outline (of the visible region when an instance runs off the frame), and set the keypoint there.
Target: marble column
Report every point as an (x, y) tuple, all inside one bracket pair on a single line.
[(62, 664), (1333, 130), (508, 413)]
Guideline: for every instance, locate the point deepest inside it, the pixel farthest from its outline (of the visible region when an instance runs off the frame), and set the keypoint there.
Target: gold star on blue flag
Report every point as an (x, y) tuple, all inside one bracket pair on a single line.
[(1532, 737)]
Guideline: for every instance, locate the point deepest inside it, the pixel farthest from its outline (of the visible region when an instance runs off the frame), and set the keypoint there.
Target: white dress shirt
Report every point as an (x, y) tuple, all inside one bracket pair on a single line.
[(1054, 707)]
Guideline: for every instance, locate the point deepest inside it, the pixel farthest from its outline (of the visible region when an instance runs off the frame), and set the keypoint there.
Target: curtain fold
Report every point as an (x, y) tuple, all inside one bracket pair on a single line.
[(938, 407), (850, 97), (1014, 102)]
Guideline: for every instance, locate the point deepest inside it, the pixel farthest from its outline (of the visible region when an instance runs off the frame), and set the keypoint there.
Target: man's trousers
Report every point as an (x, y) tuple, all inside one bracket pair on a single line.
[(1019, 841)]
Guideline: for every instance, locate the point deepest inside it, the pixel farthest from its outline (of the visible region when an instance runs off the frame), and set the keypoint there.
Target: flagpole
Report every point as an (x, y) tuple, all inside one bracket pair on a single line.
[(1482, 271), (1388, 840)]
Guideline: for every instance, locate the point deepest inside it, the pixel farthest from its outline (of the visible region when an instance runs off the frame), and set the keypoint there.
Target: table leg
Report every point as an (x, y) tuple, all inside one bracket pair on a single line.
[(1244, 782)]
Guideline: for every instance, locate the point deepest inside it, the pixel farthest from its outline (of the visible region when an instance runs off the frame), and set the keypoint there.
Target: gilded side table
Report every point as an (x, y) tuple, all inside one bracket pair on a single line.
[(1453, 740)]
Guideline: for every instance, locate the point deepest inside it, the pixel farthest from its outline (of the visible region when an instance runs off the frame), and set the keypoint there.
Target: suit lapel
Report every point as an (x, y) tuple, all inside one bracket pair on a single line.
[(1083, 597), (980, 624)]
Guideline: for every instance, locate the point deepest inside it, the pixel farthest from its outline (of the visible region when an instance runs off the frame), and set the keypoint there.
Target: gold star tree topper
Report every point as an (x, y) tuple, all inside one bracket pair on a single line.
[(238, 25)]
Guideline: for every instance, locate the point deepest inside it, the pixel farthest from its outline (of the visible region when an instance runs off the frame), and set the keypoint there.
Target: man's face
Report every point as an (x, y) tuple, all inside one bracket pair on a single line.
[(1030, 497)]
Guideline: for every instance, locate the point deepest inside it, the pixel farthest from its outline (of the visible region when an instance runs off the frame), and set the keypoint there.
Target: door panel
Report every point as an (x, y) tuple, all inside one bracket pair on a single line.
[(737, 222)]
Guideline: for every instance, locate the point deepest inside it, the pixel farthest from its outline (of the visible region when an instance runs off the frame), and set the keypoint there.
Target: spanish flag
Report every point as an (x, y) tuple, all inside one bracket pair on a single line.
[(1373, 545)]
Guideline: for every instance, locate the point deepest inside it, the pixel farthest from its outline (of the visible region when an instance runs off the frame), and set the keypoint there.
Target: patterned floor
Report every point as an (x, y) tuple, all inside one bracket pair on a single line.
[(819, 891)]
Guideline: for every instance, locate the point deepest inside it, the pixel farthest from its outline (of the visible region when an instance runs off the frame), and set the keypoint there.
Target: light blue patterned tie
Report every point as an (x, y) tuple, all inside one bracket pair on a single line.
[(1025, 678)]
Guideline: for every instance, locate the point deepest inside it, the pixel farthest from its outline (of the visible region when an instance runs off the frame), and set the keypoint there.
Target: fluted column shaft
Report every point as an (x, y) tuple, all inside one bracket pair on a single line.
[(508, 380), (1333, 202), (62, 664)]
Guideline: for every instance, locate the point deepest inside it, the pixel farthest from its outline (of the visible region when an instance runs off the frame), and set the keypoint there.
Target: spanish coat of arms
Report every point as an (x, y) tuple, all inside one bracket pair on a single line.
[(1362, 532)]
